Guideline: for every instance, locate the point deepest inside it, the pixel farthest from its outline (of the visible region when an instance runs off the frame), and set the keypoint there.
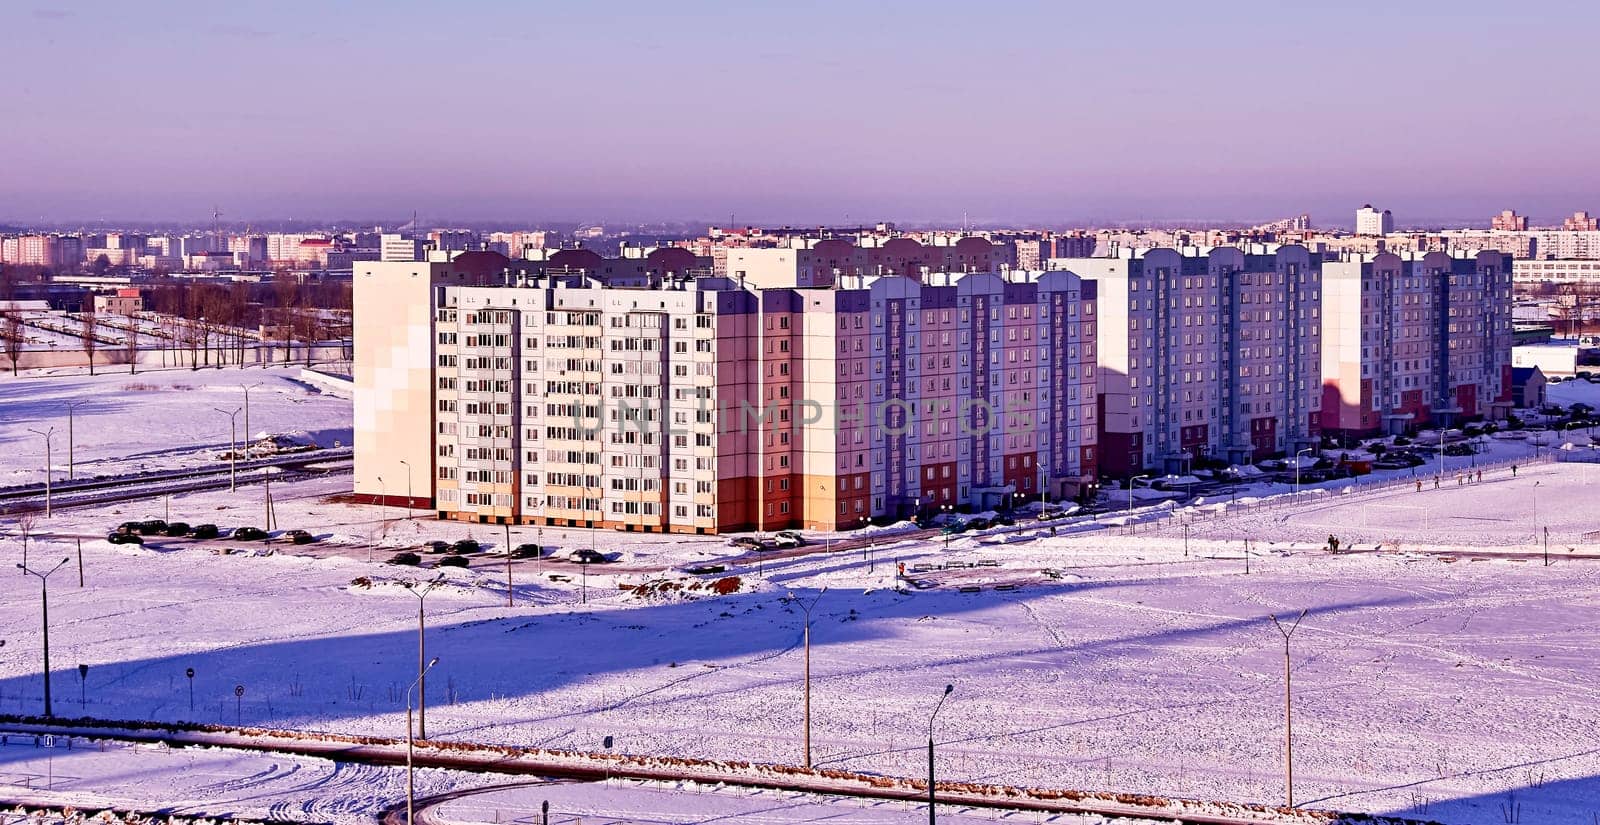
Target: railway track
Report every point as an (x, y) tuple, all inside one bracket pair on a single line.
[(88, 492), (578, 766)]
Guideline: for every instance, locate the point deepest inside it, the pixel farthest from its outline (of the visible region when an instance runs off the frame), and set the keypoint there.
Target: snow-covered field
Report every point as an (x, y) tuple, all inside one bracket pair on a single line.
[(1441, 670), (158, 420), (1435, 687)]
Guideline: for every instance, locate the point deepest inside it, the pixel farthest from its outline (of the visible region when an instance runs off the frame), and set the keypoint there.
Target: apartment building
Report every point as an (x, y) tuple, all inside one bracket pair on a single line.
[(1414, 340), (1374, 222), (531, 393), (1205, 353)]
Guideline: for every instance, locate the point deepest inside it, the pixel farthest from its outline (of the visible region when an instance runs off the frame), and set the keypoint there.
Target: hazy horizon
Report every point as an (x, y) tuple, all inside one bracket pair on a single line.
[(831, 113)]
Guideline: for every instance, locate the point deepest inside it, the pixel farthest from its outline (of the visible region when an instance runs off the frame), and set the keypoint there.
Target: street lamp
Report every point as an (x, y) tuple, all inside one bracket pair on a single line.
[(233, 447), (49, 467), (408, 489), (1297, 469), (411, 788), (1288, 707), (1043, 479), (948, 689), (44, 605), (1130, 491), (383, 502), (421, 591), (806, 608)]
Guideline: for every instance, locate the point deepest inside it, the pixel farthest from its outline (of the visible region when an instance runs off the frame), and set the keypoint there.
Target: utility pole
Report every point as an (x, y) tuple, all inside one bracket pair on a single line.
[(421, 591), (408, 488), (1288, 707), (71, 441), (509, 602), (806, 609), (44, 609), (233, 447), (247, 389), (49, 468)]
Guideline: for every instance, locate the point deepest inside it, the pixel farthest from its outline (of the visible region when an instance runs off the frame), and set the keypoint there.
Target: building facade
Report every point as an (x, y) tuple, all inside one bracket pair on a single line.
[(547, 395), (1205, 353), (1415, 340)]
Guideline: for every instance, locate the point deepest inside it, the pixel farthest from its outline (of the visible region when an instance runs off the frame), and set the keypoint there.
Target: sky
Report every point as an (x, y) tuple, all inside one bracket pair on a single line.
[(813, 112)]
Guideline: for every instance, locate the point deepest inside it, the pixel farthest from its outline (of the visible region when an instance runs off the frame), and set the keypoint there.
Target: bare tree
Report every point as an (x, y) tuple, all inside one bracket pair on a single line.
[(89, 334), (11, 331)]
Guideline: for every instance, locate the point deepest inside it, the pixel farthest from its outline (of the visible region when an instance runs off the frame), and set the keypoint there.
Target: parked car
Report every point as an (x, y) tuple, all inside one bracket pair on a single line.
[(406, 559), (452, 561), (794, 535), (128, 527), (704, 569), (125, 538), (1005, 520), (956, 526), (176, 528), (744, 541), (527, 551), (299, 537), (785, 541), (249, 534), (152, 527), (437, 546), (978, 523), (587, 556), (206, 531), (466, 546)]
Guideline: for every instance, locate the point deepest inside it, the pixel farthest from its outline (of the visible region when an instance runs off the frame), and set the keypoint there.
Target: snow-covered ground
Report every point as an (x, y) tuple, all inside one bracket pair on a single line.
[(1425, 685), (158, 420)]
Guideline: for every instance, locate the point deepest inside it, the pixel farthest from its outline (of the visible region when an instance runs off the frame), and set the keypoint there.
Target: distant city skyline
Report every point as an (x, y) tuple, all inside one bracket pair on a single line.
[(833, 113)]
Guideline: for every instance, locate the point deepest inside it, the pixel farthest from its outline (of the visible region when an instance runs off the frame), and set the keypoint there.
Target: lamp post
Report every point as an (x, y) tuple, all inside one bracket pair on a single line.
[(806, 608), (44, 609), (1043, 479), (1297, 469), (233, 447), (408, 491), (421, 591), (1130, 491), (1288, 707), (71, 406), (411, 787), (948, 689), (383, 502), (49, 467)]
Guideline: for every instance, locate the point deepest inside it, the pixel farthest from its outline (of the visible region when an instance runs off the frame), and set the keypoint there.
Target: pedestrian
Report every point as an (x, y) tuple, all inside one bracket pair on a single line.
[(1480, 475), (1435, 482), (1419, 485), (1513, 471), (1335, 541)]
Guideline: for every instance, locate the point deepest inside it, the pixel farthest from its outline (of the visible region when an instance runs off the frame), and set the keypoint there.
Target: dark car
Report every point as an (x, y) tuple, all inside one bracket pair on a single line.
[(152, 527), (466, 546), (452, 561), (249, 534), (128, 527), (176, 528), (437, 546), (587, 556), (978, 523), (299, 537), (406, 559), (744, 541), (124, 538), (527, 551), (1005, 520), (705, 569), (206, 531)]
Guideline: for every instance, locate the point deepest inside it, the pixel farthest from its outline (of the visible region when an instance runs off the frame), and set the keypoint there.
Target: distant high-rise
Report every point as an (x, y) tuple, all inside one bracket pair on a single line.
[(1370, 221), (396, 247), (1581, 222), (1509, 221)]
